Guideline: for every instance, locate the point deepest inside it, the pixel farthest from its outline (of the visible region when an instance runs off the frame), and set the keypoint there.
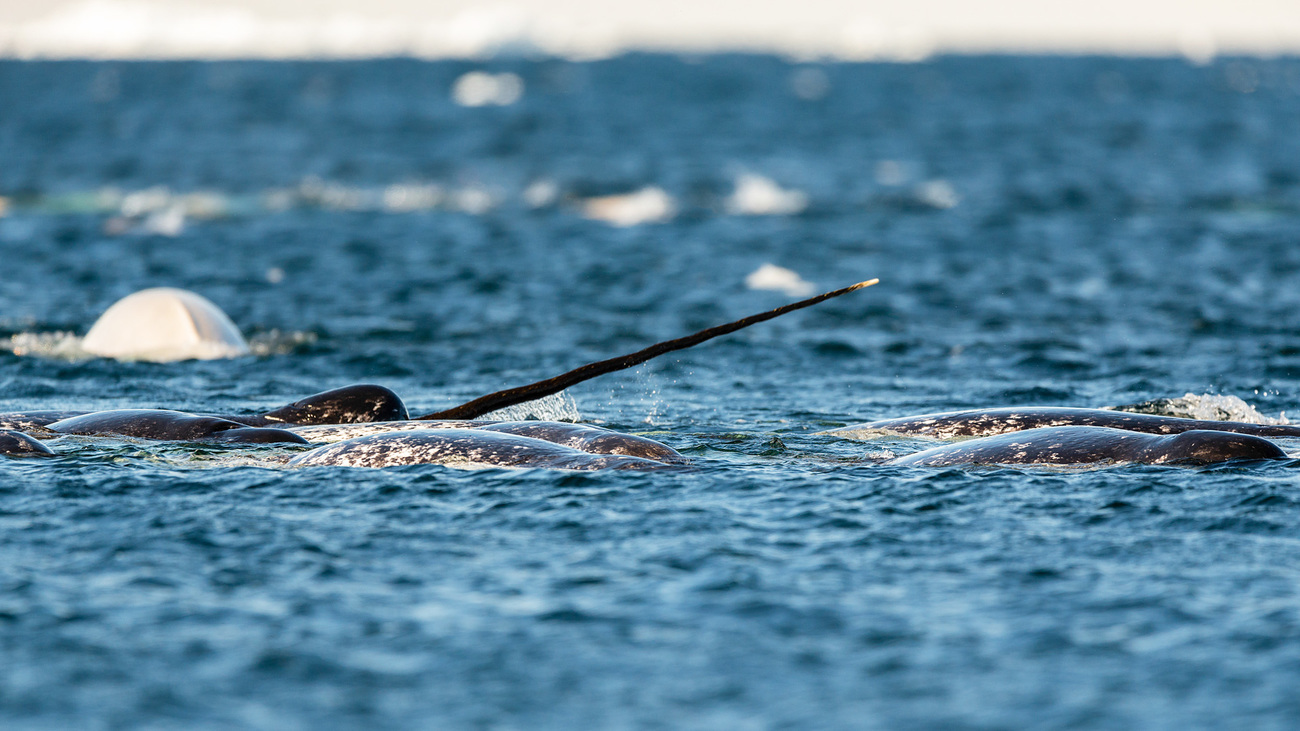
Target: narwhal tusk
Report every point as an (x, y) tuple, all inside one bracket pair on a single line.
[(520, 394)]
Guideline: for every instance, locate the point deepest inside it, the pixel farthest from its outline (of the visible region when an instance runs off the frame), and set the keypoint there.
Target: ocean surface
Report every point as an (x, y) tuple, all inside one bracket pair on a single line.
[(1053, 231)]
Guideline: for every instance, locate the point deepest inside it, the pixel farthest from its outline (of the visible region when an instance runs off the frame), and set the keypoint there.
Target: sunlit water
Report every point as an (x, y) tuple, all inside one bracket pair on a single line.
[(1082, 232)]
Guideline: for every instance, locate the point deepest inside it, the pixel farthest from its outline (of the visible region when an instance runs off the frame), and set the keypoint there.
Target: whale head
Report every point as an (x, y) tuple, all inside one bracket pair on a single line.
[(1200, 447), (357, 404)]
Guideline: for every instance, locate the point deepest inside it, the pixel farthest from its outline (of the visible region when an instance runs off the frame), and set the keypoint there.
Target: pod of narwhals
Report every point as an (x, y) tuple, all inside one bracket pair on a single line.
[(369, 426)]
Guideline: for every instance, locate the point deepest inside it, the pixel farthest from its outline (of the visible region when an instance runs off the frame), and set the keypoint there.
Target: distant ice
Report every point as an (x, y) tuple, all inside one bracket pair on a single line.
[(780, 279), (581, 29), (648, 205), (541, 193), (756, 195), (405, 197), (938, 194), (481, 89)]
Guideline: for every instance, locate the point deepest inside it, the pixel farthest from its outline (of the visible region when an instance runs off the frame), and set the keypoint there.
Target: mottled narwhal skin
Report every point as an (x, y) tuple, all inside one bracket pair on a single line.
[(27, 420), (162, 424), (464, 447), (592, 439), (1076, 445), (17, 444), (988, 422)]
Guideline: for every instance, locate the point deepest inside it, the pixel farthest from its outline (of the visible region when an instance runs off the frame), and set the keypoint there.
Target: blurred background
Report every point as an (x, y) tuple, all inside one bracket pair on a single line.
[(1073, 204), (842, 29)]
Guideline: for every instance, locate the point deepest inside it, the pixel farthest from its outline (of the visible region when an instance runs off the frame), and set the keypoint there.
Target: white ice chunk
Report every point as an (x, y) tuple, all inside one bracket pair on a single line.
[(648, 205), (759, 196), (164, 324), (481, 89), (780, 279)]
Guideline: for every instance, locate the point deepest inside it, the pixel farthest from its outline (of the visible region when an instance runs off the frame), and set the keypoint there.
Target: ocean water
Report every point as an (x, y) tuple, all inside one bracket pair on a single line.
[(1054, 231)]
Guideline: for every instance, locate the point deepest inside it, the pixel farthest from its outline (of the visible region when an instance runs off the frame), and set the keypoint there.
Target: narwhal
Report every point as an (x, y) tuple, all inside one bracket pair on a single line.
[(547, 444), (1044, 435)]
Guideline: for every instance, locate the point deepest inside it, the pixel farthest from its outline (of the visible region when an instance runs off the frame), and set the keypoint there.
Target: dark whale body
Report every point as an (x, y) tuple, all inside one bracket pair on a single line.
[(17, 444), (1067, 445), (988, 422), (357, 404), (465, 447), (170, 425), (28, 420)]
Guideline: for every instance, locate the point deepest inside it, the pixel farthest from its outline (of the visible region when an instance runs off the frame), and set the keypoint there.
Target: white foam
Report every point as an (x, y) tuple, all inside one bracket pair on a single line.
[(54, 345), (1207, 407), (556, 407), (279, 342)]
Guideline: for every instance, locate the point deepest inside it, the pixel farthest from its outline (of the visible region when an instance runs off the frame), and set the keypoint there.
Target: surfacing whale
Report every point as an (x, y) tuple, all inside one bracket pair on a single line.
[(1078, 445), (17, 444), (162, 424), (989, 422), (361, 403), (590, 439), (465, 448), (505, 444)]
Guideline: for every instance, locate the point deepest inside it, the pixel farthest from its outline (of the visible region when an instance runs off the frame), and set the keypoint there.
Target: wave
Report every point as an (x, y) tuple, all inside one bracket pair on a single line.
[(1206, 407), (68, 346)]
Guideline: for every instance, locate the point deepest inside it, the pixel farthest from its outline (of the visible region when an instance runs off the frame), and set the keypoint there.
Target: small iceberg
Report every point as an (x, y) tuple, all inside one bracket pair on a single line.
[(164, 324)]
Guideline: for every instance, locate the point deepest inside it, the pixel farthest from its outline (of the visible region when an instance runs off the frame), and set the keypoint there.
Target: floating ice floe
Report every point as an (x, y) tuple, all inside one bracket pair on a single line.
[(396, 198), (473, 200), (938, 194), (648, 205), (481, 89), (401, 198), (155, 210), (164, 324), (541, 193), (756, 195), (779, 279)]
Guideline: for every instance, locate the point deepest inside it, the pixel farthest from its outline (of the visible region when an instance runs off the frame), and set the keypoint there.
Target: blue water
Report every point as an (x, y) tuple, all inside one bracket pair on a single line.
[(1079, 232)]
